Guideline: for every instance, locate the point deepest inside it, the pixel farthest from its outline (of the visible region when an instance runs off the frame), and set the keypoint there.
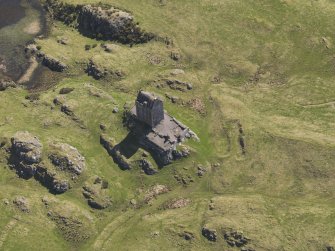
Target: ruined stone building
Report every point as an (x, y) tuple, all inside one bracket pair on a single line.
[(149, 109), (157, 131)]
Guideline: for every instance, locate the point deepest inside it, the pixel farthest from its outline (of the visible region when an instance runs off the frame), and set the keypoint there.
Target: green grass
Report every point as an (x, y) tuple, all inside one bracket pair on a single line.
[(276, 80)]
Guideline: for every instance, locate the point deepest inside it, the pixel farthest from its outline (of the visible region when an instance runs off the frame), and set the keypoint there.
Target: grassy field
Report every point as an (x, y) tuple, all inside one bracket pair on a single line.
[(263, 67)]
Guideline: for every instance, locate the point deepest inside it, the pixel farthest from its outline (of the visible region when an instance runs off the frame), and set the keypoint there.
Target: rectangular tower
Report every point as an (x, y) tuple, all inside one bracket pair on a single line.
[(149, 108)]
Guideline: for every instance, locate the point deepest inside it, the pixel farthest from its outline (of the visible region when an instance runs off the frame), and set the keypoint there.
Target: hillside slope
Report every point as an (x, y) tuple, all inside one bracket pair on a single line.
[(262, 104)]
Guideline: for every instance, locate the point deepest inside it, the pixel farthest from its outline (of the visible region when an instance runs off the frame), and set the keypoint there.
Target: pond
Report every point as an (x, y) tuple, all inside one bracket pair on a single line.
[(20, 22)]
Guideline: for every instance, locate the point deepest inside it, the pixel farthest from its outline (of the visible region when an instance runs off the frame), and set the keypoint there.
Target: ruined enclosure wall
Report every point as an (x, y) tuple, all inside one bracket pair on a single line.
[(161, 157)]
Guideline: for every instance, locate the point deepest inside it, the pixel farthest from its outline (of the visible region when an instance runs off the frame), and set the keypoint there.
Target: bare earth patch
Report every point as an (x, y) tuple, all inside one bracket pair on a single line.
[(30, 71), (33, 28)]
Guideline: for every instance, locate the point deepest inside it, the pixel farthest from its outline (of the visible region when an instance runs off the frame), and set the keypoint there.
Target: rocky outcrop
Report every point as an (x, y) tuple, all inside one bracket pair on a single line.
[(147, 167), (110, 47), (98, 72), (95, 71), (31, 49), (67, 109), (66, 13), (112, 149), (96, 195), (187, 235), (6, 83), (66, 90), (201, 170), (22, 204), (235, 238), (51, 180), (67, 158), (54, 64), (121, 160), (60, 186), (111, 24), (100, 21), (26, 153), (184, 152), (154, 192), (209, 233), (174, 84), (176, 203), (65, 165)]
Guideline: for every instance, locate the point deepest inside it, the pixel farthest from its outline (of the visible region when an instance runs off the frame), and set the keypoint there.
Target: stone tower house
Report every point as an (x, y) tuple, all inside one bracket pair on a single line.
[(149, 108)]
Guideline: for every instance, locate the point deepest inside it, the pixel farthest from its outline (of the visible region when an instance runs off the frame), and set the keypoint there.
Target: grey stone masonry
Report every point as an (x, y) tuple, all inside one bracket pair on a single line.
[(149, 108)]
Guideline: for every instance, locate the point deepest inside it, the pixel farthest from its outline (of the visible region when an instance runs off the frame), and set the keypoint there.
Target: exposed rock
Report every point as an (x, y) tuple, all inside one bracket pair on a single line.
[(3, 142), (235, 238), (330, 248), (22, 204), (111, 24), (119, 159), (103, 127), (65, 108), (173, 99), (99, 72), (63, 41), (198, 105), (145, 154), (155, 234), (31, 48), (154, 192), (53, 64), (93, 70), (183, 179), (211, 205), (147, 167), (32, 97), (6, 83), (174, 84), (133, 202), (59, 100), (60, 186), (95, 197), (66, 90), (201, 170), (96, 194), (187, 235), (176, 72), (51, 180), (108, 143), (154, 59), (209, 233), (67, 158), (26, 152), (179, 85), (61, 11), (183, 153), (176, 203), (175, 55), (247, 249), (110, 47), (115, 110)]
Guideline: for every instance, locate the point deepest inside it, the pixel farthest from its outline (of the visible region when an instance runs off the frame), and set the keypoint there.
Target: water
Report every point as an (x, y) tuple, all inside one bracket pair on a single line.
[(20, 22), (10, 12)]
